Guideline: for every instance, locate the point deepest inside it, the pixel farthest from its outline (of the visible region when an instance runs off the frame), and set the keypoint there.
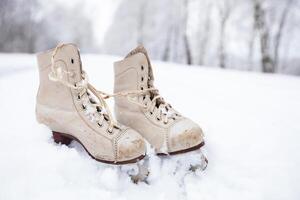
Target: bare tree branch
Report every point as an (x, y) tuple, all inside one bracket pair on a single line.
[(278, 36)]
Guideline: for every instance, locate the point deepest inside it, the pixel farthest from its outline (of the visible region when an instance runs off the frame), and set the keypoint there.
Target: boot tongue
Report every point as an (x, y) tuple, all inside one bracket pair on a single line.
[(78, 65), (72, 53), (141, 49), (66, 55)]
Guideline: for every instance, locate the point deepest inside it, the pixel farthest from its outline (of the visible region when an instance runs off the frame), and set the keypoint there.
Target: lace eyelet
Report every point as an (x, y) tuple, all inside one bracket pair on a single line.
[(72, 60), (158, 119), (142, 79), (151, 113), (83, 107), (165, 123), (142, 88), (100, 125), (109, 131), (78, 98), (142, 67)]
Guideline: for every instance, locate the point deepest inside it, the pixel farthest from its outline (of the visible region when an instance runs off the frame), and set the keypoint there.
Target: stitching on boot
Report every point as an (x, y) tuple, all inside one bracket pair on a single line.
[(115, 141)]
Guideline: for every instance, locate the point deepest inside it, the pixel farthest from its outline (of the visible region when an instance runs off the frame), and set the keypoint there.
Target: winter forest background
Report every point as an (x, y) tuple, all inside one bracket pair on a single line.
[(253, 35)]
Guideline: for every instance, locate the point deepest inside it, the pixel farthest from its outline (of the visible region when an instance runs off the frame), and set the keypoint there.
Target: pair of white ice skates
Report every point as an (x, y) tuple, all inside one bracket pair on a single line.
[(74, 110)]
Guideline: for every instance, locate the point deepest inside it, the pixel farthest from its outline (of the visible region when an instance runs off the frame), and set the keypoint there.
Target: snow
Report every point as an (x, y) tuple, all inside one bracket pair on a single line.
[(250, 120)]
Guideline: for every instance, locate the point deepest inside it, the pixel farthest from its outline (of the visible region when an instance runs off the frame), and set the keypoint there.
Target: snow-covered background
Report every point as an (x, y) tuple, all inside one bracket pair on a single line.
[(251, 35), (251, 123)]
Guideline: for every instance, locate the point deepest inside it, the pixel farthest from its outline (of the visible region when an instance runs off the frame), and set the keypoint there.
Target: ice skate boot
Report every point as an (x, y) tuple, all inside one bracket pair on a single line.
[(70, 106), (139, 106)]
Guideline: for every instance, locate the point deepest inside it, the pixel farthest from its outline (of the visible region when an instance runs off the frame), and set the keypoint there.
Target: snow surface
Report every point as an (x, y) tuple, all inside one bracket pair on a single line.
[(251, 122)]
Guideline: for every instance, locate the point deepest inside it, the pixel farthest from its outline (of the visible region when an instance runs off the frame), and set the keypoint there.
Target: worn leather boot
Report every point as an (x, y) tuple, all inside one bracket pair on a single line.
[(73, 110), (139, 106)]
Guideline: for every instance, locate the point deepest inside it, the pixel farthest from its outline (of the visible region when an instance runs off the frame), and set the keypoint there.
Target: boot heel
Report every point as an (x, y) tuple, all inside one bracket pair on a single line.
[(60, 138)]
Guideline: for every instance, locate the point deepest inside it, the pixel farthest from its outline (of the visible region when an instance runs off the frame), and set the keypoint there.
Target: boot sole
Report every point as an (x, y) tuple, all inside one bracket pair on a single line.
[(63, 138), (184, 150)]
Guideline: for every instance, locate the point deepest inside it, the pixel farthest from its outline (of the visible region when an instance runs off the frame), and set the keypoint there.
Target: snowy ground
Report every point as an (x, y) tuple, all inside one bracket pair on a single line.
[(251, 122)]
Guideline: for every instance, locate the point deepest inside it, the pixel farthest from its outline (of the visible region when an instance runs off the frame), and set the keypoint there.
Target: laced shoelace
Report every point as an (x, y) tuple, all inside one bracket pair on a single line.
[(163, 111), (95, 111)]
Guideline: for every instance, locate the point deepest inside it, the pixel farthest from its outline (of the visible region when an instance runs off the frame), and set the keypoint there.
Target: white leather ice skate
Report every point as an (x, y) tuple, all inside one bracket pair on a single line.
[(70, 106), (139, 106)]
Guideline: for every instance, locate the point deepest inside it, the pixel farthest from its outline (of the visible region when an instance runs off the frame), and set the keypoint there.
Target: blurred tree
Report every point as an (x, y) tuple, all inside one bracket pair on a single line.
[(261, 26), (253, 34), (21, 30), (185, 37), (225, 8), (64, 24), (278, 36), (205, 34), (160, 25), (17, 27)]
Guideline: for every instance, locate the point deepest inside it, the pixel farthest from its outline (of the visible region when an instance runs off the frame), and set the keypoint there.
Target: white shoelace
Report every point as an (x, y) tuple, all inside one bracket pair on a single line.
[(96, 111), (162, 111)]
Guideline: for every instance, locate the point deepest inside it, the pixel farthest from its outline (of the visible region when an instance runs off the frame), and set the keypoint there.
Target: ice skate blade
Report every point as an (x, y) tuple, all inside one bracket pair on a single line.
[(197, 159), (192, 162), (201, 166), (137, 172)]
